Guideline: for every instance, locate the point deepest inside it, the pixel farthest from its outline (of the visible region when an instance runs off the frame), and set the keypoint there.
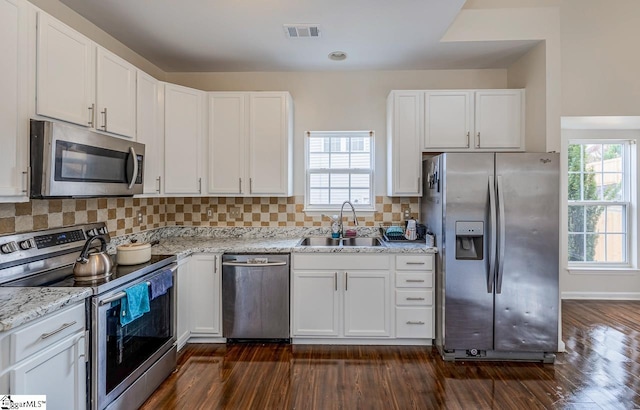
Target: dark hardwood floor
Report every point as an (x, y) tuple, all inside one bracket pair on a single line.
[(600, 370)]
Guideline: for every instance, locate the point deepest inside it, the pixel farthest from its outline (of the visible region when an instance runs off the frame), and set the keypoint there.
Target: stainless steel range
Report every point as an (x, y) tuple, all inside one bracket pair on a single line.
[(127, 361)]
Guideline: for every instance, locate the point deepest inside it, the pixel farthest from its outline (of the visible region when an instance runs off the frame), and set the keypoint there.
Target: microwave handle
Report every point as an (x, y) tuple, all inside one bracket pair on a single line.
[(132, 152)]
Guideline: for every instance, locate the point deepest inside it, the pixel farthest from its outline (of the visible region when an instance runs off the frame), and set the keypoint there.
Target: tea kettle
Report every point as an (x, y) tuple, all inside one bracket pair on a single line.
[(95, 264)]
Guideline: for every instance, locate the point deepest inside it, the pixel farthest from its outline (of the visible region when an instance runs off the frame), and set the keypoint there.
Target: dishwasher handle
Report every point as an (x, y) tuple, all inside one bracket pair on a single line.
[(253, 264)]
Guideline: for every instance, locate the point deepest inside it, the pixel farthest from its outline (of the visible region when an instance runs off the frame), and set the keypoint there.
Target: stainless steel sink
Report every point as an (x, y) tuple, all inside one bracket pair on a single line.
[(337, 242)]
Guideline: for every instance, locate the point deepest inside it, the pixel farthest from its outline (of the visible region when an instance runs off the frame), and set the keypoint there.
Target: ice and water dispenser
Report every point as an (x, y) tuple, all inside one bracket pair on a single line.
[(469, 240)]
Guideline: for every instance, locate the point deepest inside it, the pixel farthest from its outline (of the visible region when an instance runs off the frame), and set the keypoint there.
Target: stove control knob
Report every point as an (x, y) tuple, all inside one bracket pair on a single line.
[(92, 232), (103, 230), (8, 247), (27, 244)]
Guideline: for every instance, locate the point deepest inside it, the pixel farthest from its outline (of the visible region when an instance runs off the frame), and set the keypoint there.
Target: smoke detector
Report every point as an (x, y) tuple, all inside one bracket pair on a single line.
[(302, 30)]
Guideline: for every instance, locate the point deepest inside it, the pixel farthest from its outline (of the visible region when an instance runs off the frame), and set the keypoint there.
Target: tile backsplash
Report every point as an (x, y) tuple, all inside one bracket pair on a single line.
[(121, 214)]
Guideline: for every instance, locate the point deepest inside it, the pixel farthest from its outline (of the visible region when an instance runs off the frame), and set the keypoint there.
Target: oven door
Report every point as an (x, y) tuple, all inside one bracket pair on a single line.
[(70, 161), (122, 354)]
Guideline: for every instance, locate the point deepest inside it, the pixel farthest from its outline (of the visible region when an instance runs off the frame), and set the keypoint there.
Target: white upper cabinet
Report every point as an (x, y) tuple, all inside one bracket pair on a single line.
[(472, 120), (499, 119), (448, 119), (183, 139), (228, 125), (14, 121), (65, 73), (115, 94), (82, 83), (149, 131), (404, 136), (250, 143)]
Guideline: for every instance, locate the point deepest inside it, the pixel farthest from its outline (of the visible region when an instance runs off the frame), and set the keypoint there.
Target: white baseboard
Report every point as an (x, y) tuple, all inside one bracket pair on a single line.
[(601, 295)]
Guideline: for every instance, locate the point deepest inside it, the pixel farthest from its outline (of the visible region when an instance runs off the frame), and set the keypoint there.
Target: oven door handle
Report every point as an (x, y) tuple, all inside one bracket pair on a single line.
[(122, 294)]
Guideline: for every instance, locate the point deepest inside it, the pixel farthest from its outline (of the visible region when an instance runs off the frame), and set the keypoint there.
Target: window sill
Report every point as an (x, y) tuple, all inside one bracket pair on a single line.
[(347, 212), (602, 271)]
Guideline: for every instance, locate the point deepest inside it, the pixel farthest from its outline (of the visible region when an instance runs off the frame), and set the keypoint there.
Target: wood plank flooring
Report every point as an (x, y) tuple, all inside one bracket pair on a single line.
[(600, 370)]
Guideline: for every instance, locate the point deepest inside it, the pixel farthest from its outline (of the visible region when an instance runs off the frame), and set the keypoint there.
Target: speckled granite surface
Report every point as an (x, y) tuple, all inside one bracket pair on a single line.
[(22, 305)]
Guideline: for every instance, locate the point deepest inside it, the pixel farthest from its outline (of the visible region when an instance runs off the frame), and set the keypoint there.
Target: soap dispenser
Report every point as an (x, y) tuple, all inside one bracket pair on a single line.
[(335, 226)]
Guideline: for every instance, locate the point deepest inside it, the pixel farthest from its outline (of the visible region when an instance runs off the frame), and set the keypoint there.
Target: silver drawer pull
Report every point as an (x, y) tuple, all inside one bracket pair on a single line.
[(414, 263), (415, 323), (415, 298), (415, 280), (60, 329)]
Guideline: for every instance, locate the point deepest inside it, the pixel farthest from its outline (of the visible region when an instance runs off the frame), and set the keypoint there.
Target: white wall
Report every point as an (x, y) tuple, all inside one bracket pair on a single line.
[(348, 100), (529, 72)]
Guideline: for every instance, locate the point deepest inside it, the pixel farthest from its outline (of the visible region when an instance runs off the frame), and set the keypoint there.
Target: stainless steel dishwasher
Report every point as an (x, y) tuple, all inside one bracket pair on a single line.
[(255, 297)]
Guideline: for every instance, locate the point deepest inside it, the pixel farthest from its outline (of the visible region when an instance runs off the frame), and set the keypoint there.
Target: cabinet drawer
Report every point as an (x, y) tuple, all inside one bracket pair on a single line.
[(414, 322), (44, 333), (414, 262), (414, 298), (414, 280), (341, 261)]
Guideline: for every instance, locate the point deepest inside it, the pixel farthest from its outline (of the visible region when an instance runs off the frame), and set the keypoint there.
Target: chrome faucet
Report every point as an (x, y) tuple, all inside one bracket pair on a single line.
[(355, 219)]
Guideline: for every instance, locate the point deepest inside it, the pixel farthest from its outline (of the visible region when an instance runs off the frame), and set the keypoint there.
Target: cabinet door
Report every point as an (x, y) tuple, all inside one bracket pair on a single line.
[(115, 94), (227, 144), (205, 294), (14, 122), (448, 119), (499, 119), (367, 304), (183, 290), (183, 138), (65, 73), (59, 372), (149, 131), (315, 303), (270, 144), (404, 134)]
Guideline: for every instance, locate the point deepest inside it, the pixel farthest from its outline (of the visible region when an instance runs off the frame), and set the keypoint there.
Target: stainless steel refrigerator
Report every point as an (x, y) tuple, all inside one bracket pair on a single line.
[(495, 217)]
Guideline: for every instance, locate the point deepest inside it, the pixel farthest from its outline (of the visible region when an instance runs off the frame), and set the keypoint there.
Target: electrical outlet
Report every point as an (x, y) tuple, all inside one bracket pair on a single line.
[(139, 215), (235, 212), (209, 212), (407, 212)]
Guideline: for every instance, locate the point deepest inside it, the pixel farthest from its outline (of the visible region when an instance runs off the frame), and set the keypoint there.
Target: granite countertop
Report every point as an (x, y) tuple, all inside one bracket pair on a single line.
[(22, 305), (185, 246)]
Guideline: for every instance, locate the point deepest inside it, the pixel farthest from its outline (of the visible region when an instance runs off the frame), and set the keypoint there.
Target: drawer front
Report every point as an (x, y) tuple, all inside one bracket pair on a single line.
[(414, 280), (414, 262), (414, 322), (414, 297), (46, 332), (341, 261)]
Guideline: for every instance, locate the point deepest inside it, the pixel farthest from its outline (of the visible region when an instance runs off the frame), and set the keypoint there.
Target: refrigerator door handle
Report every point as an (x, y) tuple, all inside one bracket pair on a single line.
[(492, 248), (501, 236)]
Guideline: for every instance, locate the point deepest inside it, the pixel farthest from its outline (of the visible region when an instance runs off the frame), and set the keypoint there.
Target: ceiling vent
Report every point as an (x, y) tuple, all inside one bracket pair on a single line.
[(302, 30)]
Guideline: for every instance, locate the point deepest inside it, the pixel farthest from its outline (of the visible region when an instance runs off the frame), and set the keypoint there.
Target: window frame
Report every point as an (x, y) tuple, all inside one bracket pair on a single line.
[(629, 139), (370, 171)]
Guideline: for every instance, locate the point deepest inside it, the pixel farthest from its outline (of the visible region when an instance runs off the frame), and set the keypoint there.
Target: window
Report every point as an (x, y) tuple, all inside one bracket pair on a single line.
[(599, 202), (339, 168)]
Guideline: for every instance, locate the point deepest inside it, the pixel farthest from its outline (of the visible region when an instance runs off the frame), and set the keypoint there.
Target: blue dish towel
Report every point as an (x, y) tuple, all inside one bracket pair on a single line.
[(135, 303), (159, 284)]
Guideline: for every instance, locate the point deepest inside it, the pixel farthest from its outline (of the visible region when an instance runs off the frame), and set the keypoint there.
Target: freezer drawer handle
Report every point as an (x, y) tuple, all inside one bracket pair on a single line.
[(253, 264), (58, 330), (414, 280), (415, 323), (415, 298)]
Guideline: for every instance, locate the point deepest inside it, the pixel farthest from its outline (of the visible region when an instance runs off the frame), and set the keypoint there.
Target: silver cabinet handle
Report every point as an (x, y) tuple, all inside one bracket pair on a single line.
[(335, 280), (415, 298), (27, 173), (104, 127), (346, 281), (415, 263), (58, 330), (414, 280), (92, 108), (239, 185), (468, 134), (478, 145), (415, 323), (250, 185), (159, 179), (215, 263), (199, 185)]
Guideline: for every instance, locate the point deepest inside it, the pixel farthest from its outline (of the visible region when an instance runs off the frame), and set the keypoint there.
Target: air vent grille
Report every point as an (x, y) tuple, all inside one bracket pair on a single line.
[(302, 30)]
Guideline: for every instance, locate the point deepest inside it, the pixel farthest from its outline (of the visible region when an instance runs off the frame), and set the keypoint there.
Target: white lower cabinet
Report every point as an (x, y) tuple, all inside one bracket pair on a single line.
[(199, 305), (342, 295), (414, 310), (48, 357)]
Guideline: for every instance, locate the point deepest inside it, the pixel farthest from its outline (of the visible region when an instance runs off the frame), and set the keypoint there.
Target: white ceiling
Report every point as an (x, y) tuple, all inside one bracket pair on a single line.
[(248, 35)]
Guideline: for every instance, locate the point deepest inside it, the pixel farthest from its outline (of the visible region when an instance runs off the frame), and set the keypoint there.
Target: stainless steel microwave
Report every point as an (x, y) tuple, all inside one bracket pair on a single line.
[(70, 161)]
